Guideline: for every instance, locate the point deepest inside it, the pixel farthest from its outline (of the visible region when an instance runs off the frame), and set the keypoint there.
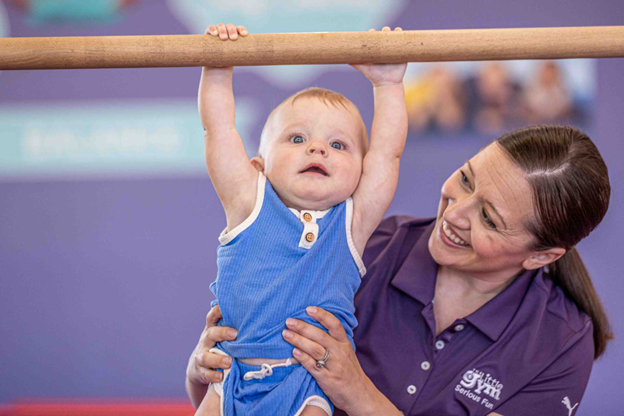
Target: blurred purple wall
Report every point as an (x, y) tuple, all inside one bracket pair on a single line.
[(104, 283)]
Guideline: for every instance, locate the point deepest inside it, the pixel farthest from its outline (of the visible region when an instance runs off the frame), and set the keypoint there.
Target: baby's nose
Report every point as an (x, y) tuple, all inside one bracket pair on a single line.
[(317, 148)]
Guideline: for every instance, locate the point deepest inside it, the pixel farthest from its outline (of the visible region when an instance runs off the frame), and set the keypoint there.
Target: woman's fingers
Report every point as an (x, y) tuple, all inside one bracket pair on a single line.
[(329, 321), (209, 361), (213, 333), (311, 348), (312, 342), (308, 331), (213, 316), (307, 362), (216, 334), (207, 376), (203, 364)]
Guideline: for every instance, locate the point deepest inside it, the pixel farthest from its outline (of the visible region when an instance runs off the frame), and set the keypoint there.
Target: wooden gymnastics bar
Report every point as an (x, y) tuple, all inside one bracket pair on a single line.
[(311, 48)]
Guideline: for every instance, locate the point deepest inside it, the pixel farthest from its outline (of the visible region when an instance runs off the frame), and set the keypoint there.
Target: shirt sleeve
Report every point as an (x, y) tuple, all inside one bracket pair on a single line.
[(380, 239), (558, 390)]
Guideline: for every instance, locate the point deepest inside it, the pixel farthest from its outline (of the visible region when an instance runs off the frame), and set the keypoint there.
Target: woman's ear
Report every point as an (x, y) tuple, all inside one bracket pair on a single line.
[(543, 258), (258, 163)]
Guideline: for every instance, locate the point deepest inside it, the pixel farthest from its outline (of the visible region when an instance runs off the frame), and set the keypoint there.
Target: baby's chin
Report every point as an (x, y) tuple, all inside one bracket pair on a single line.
[(315, 200)]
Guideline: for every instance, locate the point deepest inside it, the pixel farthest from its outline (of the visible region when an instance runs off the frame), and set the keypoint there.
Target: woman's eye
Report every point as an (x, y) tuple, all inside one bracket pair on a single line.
[(464, 178), (297, 139), (337, 145), (488, 222)]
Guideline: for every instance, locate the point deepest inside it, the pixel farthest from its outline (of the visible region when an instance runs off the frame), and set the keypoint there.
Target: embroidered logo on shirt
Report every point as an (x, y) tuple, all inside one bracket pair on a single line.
[(566, 401), (480, 387)]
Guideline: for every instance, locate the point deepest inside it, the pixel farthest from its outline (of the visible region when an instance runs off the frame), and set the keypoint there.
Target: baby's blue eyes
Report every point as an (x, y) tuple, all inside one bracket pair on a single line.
[(301, 139)]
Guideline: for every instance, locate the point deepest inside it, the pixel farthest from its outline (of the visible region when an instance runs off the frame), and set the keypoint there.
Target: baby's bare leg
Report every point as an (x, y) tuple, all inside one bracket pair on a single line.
[(211, 405), (312, 411)]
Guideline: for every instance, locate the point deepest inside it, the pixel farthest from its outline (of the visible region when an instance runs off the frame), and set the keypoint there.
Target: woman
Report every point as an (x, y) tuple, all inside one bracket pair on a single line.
[(486, 309)]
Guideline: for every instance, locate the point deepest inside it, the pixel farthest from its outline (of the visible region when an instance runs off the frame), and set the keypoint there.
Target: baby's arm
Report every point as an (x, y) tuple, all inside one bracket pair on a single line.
[(380, 169), (231, 173)]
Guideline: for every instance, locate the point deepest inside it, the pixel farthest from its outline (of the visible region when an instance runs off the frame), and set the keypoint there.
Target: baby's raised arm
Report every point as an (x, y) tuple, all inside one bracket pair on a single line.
[(380, 169), (231, 173)]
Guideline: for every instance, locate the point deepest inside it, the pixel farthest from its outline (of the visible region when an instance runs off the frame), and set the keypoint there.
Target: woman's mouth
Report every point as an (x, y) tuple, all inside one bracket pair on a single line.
[(451, 238)]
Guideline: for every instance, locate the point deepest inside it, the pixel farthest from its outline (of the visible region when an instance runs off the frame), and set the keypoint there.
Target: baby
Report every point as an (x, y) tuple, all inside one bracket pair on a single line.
[(298, 217)]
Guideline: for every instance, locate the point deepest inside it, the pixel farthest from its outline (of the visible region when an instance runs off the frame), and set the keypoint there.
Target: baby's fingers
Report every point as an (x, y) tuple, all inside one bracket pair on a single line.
[(232, 32), (242, 31), (226, 32), (223, 32), (387, 29)]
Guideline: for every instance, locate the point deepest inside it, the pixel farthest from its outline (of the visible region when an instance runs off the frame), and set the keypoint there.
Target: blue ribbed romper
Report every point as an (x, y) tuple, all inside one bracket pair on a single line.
[(269, 271)]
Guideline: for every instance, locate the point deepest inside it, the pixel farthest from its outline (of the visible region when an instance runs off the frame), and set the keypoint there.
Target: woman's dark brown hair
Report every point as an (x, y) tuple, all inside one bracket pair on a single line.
[(571, 193)]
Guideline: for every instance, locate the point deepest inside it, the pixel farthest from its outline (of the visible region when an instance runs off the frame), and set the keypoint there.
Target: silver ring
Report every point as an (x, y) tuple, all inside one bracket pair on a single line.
[(321, 363)]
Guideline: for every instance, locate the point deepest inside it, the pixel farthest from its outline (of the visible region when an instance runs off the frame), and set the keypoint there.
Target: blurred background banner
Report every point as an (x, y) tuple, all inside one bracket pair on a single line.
[(475, 98), (109, 223)]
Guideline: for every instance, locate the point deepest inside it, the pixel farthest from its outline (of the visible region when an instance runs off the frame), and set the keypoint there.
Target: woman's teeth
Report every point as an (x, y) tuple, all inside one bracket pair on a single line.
[(452, 236)]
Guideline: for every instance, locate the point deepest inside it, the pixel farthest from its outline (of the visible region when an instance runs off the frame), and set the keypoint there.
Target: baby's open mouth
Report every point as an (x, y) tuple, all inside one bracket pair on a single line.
[(315, 168)]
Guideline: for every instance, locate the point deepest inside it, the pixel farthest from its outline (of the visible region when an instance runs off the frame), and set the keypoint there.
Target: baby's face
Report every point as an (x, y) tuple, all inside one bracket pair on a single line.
[(313, 156)]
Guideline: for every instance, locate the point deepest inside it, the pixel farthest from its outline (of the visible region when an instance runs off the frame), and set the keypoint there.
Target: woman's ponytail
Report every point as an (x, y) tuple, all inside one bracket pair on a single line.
[(571, 194), (570, 274)]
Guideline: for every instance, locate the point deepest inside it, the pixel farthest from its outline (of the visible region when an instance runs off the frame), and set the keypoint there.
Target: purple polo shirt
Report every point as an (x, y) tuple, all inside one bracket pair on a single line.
[(528, 351)]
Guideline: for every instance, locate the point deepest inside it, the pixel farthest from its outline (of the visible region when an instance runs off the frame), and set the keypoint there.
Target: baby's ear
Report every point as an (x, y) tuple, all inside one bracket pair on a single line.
[(258, 163)]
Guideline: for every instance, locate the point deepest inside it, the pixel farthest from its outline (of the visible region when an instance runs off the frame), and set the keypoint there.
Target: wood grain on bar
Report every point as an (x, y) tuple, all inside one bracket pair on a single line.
[(311, 48)]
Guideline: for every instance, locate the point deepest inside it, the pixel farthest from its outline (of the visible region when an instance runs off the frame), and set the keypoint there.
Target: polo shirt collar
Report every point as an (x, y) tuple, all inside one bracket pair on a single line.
[(417, 278), (493, 317)]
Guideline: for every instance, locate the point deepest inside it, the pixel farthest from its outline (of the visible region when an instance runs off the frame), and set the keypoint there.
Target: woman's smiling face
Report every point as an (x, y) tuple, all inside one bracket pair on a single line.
[(480, 228)]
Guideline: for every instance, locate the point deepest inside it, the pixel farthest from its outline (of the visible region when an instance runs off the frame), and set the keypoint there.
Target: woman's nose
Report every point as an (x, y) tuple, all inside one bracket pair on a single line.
[(317, 147), (457, 211)]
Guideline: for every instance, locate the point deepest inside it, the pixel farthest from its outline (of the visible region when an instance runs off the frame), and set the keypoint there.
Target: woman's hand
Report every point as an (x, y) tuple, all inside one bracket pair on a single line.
[(342, 377), (202, 365), (383, 74)]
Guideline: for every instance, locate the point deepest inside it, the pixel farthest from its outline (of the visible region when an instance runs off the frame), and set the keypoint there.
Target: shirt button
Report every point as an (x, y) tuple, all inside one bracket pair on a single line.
[(411, 389), (425, 365), (439, 344), (459, 327), (307, 217), (309, 237)]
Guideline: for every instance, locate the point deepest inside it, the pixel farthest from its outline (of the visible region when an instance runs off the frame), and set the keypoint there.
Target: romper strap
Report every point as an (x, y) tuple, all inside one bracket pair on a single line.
[(227, 236)]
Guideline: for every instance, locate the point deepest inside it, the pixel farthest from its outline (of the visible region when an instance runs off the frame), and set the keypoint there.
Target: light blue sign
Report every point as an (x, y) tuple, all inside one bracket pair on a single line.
[(116, 139)]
